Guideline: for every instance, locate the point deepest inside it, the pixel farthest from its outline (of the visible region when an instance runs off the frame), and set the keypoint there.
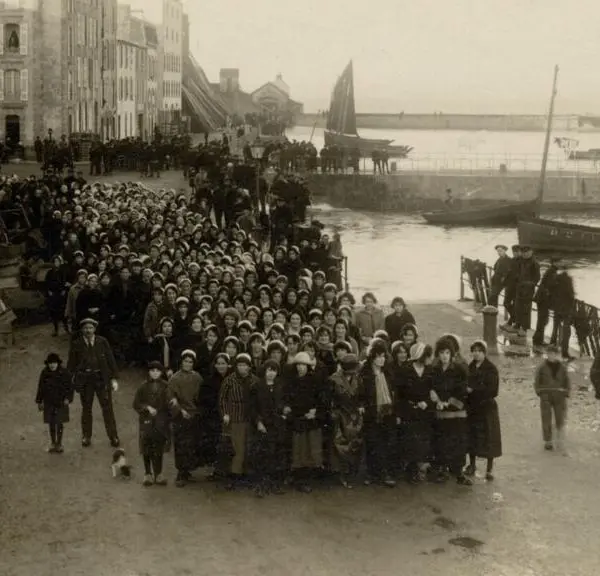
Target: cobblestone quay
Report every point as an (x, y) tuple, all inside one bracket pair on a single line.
[(64, 514)]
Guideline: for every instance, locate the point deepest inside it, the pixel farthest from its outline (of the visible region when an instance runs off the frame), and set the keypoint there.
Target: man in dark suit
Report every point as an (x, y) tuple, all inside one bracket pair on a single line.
[(94, 369)]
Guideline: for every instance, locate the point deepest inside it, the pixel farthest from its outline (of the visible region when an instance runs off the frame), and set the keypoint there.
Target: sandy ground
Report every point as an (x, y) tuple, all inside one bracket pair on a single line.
[(65, 514)]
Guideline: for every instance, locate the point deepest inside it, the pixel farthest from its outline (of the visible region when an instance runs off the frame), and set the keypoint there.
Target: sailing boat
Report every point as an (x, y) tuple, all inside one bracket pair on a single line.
[(521, 213), (341, 122), (545, 235)]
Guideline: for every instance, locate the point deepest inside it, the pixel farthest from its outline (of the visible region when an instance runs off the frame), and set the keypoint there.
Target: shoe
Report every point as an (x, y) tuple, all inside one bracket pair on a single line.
[(115, 442), (160, 480), (367, 481), (51, 449), (464, 481), (260, 492), (277, 490), (180, 481), (85, 442), (147, 480), (441, 478), (522, 333), (548, 446), (346, 484), (470, 471), (304, 488), (59, 449), (489, 477), (389, 482)]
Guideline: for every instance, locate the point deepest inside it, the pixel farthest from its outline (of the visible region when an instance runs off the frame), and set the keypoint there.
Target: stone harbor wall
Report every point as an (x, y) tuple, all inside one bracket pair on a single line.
[(426, 191)]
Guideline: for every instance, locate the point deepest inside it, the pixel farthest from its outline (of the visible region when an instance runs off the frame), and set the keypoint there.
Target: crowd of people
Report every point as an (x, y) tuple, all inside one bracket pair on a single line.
[(258, 363)]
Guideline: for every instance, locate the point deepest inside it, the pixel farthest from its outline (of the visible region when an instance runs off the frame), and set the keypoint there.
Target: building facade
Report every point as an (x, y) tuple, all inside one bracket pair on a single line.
[(17, 104), (152, 79), (109, 69), (171, 51), (126, 77)]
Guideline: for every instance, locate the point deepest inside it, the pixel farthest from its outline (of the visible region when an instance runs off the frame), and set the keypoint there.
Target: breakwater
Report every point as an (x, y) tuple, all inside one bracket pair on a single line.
[(414, 192), (493, 122)]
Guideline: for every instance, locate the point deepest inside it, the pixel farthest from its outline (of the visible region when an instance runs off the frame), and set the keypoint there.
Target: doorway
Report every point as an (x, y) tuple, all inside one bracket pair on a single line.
[(12, 129)]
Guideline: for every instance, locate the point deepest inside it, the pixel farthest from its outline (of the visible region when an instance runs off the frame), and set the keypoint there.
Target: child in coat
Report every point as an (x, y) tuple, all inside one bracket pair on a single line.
[(152, 405), (54, 394)]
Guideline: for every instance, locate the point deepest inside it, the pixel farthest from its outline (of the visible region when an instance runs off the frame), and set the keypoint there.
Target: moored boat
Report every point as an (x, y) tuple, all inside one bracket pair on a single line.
[(546, 235), (341, 122), (503, 215), (591, 154)]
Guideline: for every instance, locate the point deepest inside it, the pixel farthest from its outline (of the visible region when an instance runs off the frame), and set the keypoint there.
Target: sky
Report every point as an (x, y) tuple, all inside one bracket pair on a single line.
[(416, 56)]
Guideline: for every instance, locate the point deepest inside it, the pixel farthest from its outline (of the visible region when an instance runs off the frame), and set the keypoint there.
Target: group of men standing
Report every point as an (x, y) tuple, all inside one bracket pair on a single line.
[(518, 277)]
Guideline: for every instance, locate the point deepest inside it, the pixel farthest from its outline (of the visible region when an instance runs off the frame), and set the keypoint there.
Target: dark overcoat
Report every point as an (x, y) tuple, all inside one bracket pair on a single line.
[(54, 387), (485, 438)]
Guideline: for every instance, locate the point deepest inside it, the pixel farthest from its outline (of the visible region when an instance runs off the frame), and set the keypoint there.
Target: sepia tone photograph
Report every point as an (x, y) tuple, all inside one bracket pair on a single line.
[(299, 288)]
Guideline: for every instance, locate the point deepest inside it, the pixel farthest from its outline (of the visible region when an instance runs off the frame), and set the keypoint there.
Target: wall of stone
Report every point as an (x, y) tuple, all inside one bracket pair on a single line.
[(415, 192)]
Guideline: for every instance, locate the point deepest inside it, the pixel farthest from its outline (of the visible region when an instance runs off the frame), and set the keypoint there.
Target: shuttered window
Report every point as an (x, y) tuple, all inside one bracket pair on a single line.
[(24, 85)]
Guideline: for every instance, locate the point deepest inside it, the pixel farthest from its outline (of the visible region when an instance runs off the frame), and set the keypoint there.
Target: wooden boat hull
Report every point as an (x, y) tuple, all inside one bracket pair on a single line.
[(366, 145), (592, 154), (554, 236), (503, 215)]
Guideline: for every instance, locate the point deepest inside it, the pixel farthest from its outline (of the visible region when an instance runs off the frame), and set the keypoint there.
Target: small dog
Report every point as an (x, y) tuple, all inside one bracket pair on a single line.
[(119, 465)]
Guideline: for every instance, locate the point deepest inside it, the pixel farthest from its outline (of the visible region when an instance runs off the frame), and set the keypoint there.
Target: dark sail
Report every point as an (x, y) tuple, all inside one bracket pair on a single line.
[(342, 113)]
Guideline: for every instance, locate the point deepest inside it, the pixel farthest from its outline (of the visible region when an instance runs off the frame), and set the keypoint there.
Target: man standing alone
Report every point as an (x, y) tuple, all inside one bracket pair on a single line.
[(92, 363), (552, 385)]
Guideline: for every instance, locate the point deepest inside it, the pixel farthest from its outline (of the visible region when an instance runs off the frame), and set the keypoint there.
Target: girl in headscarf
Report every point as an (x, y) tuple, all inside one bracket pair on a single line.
[(163, 348)]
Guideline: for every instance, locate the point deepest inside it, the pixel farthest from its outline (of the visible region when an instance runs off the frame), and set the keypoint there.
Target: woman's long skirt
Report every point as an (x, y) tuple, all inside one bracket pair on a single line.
[(185, 443), (307, 449), (415, 440), (346, 452), (485, 436), (239, 439), (450, 443)]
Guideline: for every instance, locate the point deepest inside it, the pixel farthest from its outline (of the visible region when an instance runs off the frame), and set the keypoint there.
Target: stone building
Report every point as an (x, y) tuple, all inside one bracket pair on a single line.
[(53, 63), (171, 64), (108, 69), (17, 104), (275, 97), (152, 79)]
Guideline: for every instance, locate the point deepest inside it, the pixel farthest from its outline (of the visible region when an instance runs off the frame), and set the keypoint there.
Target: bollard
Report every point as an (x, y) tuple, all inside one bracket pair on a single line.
[(490, 328)]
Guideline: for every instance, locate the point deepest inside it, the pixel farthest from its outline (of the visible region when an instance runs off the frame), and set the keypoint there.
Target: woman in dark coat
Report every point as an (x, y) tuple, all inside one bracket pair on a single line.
[(152, 404), (485, 438), (413, 408), (210, 418), (54, 394), (449, 395), (208, 350), (377, 406), (56, 293), (269, 436)]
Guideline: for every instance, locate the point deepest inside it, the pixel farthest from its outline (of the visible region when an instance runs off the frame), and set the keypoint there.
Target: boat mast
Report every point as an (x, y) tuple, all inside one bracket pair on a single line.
[(542, 183)]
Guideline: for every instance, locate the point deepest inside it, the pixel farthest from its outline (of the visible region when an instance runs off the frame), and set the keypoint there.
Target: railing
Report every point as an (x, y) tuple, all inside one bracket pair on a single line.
[(475, 276)]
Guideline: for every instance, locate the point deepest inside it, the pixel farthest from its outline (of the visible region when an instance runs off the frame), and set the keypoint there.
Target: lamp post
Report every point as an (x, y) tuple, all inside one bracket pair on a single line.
[(258, 149)]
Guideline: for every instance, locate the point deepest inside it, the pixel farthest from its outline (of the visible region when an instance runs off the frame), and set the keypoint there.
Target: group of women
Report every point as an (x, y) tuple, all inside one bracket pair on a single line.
[(271, 373)]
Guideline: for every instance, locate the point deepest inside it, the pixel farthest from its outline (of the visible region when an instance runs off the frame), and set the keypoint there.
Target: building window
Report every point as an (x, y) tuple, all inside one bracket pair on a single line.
[(120, 91), (120, 55), (12, 85), (12, 42), (70, 83), (91, 72)]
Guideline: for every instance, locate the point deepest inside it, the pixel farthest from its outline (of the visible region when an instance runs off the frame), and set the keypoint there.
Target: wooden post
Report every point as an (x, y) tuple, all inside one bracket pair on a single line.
[(462, 284), (490, 328)]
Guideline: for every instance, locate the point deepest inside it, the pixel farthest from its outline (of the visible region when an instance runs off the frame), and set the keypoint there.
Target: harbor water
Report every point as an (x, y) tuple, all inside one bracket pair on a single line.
[(400, 255)]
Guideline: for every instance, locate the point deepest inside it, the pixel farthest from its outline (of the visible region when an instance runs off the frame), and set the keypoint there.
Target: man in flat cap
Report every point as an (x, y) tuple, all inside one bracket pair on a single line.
[(94, 369), (501, 272)]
